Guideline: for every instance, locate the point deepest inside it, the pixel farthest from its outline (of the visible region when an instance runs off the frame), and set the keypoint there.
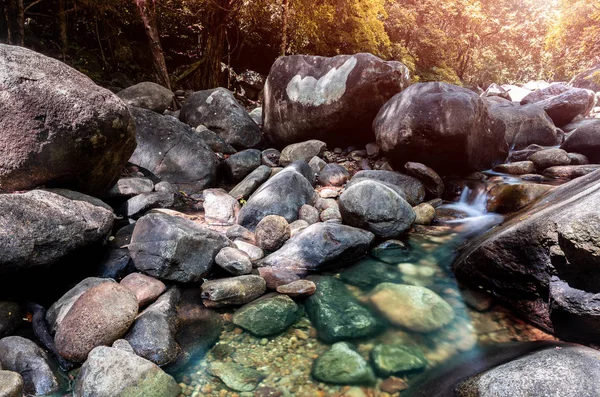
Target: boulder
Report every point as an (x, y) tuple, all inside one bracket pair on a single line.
[(142, 203), (588, 79), (250, 183), (585, 140), (39, 228), (213, 141), (449, 128), (369, 272), (506, 197), (129, 187), (570, 171), (343, 365), (232, 291), (111, 372), (516, 168), (561, 232), (241, 164), (58, 127), (220, 208), (234, 261), (333, 175), (99, 317), (145, 288), (562, 103), (434, 186), (219, 111), (373, 206), (173, 248), (302, 151), (281, 195), (409, 188), (516, 93), (549, 158), (11, 384), (39, 373), (147, 95), (173, 152), (331, 99), (321, 245), (269, 315), (272, 232)]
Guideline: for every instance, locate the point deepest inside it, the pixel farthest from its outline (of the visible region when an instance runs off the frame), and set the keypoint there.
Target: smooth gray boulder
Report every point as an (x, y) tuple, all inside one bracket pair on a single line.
[(129, 187), (241, 164), (585, 140), (142, 203), (301, 151), (147, 95), (213, 141), (250, 183), (409, 188)]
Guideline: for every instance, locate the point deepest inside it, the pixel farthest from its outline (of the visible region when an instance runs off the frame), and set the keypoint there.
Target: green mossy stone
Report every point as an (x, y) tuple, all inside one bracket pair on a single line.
[(391, 360), (344, 366)]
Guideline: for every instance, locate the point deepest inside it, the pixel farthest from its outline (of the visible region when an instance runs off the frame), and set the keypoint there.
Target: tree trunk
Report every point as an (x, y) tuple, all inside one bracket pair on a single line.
[(148, 13), (3, 23), (62, 26), (284, 27), (15, 20)]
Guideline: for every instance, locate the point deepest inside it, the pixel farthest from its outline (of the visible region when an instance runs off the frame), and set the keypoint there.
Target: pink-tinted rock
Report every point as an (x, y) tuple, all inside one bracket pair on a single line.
[(145, 288), (298, 288)]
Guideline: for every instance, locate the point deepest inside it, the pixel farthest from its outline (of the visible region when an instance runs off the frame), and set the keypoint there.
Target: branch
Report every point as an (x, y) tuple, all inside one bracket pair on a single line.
[(32, 4)]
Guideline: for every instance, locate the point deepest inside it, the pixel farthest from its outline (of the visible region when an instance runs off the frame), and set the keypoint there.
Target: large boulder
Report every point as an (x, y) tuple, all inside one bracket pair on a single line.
[(446, 127), (147, 95), (588, 79), (283, 195), (173, 248), (173, 152), (562, 235), (562, 103), (58, 127), (585, 140), (331, 99), (218, 110), (39, 228)]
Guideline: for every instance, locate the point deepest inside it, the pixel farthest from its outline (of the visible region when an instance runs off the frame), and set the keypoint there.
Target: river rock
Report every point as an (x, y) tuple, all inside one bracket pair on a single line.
[(11, 384), (374, 206), (317, 164), (10, 318), (145, 288), (424, 214), (232, 291), (272, 232), (270, 157), (269, 315), (59, 128), (218, 110), (296, 289), (434, 186), (250, 183), (173, 248), (220, 208), (29, 240), (562, 103), (213, 141), (337, 314), (142, 203), (321, 245), (588, 79), (297, 227), (152, 335), (254, 252), (23, 356), (173, 152), (585, 140), (302, 151), (516, 168), (368, 272), (237, 232), (235, 261), (110, 372), (505, 198), (410, 188), (333, 175), (147, 95), (569, 371), (578, 159), (281, 195), (523, 154), (570, 171), (391, 360), (241, 164), (331, 99), (343, 365), (331, 215), (236, 376), (99, 317), (549, 158), (309, 214), (449, 128), (417, 309), (129, 187)]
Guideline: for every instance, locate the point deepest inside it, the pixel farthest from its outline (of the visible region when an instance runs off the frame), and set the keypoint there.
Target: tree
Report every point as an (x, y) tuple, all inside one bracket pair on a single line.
[(147, 9)]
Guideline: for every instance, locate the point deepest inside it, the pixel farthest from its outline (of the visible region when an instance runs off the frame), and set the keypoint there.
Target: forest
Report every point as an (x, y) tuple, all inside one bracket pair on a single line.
[(466, 42)]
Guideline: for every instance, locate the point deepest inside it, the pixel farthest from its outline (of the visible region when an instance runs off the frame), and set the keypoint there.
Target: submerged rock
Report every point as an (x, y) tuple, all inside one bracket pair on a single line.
[(397, 359), (268, 315), (232, 291), (368, 272), (342, 365), (235, 376)]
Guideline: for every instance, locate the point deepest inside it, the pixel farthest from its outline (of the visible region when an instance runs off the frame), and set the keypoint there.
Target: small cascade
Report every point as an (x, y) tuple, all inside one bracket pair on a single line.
[(473, 203)]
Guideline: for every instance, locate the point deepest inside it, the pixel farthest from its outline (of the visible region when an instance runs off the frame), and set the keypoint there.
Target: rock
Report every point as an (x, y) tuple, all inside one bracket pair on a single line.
[(152, 335), (449, 128), (434, 186), (270, 157), (129, 187), (333, 175), (269, 315), (342, 365), (218, 110), (411, 189), (523, 155), (235, 376), (232, 291), (256, 115), (329, 192), (585, 140), (569, 371), (331, 99), (391, 360), (39, 373), (110, 372), (559, 230), (309, 214), (252, 250), (173, 152), (296, 289), (220, 208), (76, 196), (393, 385), (324, 204), (331, 215), (303, 151), (424, 214), (516, 168), (374, 206), (237, 232), (578, 159), (145, 288), (316, 164), (588, 79), (505, 198), (11, 384), (368, 272), (297, 227), (57, 312), (234, 261), (213, 141), (241, 164), (250, 183), (394, 252), (272, 232), (417, 309), (321, 245), (570, 171), (147, 95), (10, 318), (29, 240), (549, 158), (172, 248), (142, 203), (122, 344), (372, 150), (337, 314), (281, 195), (58, 127), (562, 103), (516, 93), (100, 316)]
